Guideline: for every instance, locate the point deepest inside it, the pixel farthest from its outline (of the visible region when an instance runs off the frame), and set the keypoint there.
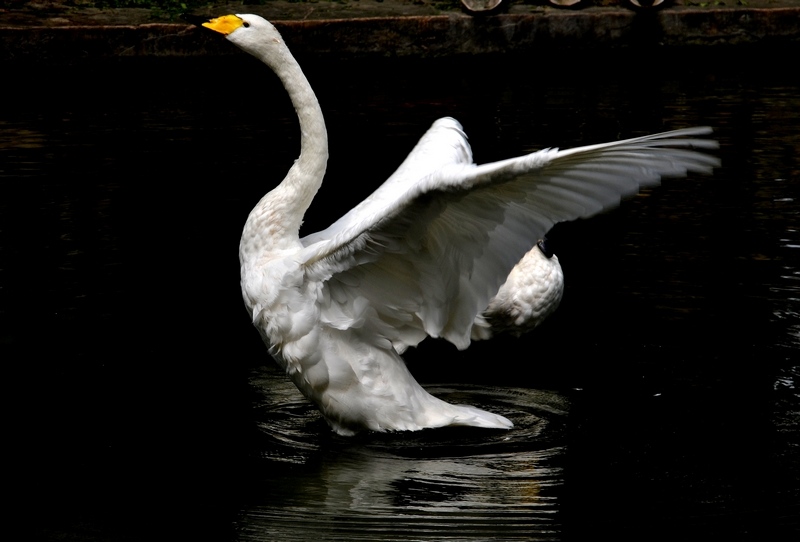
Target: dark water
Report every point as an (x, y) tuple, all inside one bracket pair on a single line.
[(660, 402)]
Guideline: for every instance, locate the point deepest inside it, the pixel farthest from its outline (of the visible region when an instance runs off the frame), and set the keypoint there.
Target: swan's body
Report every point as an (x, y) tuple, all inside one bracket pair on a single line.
[(432, 252)]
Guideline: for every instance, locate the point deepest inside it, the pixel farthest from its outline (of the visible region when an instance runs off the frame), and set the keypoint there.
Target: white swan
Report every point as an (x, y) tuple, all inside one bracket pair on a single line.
[(427, 254)]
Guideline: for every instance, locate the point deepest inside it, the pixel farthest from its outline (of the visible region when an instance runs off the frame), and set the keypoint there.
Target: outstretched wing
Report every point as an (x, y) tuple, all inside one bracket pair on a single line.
[(424, 254)]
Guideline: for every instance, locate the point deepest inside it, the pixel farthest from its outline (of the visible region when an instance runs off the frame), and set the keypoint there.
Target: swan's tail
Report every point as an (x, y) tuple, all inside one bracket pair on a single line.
[(475, 417), (379, 393), (435, 413), (439, 413)]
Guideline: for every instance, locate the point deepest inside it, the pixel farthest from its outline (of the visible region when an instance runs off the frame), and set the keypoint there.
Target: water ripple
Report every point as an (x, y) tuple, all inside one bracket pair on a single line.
[(444, 484)]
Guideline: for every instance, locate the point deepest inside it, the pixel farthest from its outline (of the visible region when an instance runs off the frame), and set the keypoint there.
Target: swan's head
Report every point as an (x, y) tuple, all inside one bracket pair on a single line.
[(250, 33)]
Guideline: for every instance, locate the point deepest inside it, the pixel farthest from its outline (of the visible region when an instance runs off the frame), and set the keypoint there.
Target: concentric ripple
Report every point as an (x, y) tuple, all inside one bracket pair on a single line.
[(442, 484)]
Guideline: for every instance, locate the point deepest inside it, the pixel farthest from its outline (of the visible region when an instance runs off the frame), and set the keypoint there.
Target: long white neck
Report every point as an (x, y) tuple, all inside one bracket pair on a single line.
[(274, 223)]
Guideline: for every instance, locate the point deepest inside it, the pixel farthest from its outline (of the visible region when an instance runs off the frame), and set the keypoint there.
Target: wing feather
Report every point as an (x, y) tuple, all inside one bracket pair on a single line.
[(430, 247)]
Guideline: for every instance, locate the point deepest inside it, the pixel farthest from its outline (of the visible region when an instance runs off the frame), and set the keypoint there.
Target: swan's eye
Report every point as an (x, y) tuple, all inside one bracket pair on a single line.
[(246, 24)]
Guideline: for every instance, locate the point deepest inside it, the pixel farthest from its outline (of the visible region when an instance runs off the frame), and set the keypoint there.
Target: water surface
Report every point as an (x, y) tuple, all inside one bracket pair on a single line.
[(659, 401)]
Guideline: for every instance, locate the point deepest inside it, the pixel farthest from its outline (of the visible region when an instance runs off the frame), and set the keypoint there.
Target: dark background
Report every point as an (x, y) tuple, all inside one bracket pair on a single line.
[(128, 354)]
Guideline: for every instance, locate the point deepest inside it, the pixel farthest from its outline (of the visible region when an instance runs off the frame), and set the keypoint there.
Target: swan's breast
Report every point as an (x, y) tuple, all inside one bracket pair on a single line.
[(284, 307)]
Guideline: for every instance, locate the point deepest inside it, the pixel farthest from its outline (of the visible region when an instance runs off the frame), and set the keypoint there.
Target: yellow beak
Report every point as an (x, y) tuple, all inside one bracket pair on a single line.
[(225, 24)]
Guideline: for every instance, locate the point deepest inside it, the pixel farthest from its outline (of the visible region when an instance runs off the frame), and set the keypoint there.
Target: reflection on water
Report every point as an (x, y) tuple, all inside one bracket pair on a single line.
[(465, 482), (673, 356)]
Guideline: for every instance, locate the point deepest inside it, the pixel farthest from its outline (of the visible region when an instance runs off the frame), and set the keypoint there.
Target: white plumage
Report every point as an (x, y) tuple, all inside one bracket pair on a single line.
[(431, 253)]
